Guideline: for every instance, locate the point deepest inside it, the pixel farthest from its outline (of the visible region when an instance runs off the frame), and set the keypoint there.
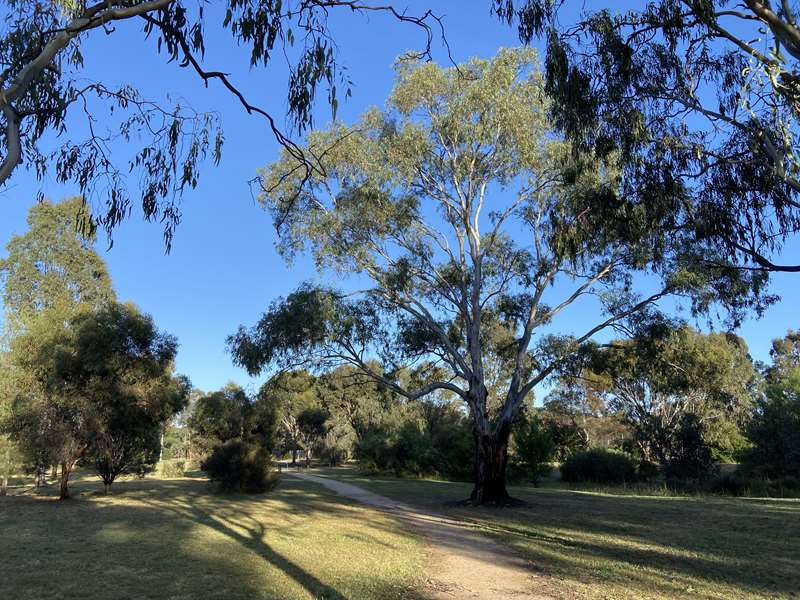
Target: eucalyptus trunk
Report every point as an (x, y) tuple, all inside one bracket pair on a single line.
[(64, 482), (491, 459)]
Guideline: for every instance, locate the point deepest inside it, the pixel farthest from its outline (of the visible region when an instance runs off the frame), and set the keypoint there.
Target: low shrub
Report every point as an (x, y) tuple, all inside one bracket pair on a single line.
[(240, 467), (647, 471), (730, 484), (746, 483), (171, 468), (598, 466)]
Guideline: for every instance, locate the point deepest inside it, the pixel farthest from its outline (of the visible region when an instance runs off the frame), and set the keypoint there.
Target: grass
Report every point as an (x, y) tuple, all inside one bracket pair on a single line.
[(172, 539), (624, 546)]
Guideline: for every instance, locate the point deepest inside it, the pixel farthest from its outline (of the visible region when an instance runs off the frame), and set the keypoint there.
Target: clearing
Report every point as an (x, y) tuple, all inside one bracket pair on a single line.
[(590, 544), (172, 539)]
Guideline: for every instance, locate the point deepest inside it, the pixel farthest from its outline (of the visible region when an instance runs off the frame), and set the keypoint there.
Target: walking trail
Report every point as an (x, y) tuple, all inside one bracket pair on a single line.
[(464, 564)]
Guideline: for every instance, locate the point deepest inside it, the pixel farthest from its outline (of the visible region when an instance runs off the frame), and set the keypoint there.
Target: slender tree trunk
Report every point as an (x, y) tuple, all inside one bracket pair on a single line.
[(106, 487), (3, 485), (54, 471), (294, 457), (64, 487), (491, 458)]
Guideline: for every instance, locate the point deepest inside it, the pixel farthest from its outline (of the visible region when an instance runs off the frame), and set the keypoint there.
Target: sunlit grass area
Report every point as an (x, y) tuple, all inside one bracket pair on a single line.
[(173, 539), (607, 545)]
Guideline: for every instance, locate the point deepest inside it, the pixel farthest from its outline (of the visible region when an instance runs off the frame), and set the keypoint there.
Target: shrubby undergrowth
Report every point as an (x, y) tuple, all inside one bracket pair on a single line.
[(237, 466)]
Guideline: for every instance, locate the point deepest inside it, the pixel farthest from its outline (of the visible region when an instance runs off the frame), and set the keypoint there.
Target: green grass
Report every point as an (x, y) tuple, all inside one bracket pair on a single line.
[(608, 545), (172, 539)]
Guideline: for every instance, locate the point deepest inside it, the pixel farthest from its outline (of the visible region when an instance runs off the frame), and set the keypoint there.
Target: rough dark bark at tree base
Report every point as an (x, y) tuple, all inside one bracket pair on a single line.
[(491, 459), (64, 484)]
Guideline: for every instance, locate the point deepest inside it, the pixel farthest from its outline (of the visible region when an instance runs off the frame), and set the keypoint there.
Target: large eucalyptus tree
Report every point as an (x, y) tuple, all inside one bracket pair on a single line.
[(467, 227)]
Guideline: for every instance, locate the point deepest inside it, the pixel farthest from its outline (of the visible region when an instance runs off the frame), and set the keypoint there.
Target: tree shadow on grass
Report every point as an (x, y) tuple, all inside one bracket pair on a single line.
[(672, 545), (142, 542), (643, 546)]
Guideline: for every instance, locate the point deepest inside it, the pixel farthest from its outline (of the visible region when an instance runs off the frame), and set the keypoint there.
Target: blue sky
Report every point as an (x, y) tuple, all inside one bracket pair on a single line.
[(223, 270)]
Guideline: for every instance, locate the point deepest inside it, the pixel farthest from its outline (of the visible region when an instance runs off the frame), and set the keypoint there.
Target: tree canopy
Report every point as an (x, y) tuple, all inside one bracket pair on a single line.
[(701, 95), (52, 266), (44, 82), (655, 381), (98, 384)]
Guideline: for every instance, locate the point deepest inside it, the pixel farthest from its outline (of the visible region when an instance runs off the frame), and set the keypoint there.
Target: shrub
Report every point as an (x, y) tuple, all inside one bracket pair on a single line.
[(240, 467), (375, 451), (533, 447), (690, 456), (599, 466), (647, 471), (775, 433), (731, 484), (171, 468), (333, 455)]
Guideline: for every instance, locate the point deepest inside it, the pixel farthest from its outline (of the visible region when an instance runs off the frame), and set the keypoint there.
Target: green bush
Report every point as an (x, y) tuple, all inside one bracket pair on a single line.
[(746, 482), (690, 456), (375, 451), (730, 484), (599, 466), (171, 468), (240, 467), (533, 446), (775, 433), (647, 471)]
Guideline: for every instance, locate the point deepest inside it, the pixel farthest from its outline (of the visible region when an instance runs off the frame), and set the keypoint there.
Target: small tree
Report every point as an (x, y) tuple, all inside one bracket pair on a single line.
[(656, 378), (287, 396), (313, 425), (10, 462), (775, 429), (689, 456), (533, 447), (219, 417), (52, 267), (98, 385)]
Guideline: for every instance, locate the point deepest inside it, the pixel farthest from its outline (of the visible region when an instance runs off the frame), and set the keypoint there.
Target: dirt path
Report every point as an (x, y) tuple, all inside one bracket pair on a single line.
[(464, 564)]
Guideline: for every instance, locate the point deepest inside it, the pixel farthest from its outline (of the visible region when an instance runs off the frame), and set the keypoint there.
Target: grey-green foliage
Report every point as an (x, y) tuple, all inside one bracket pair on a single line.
[(149, 151), (699, 98), (474, 226), (52, 266), (658, 379)]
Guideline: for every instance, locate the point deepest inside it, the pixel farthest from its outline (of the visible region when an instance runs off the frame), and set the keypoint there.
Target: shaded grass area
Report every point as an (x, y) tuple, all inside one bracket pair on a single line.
[(172, 539), (607, 545)]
